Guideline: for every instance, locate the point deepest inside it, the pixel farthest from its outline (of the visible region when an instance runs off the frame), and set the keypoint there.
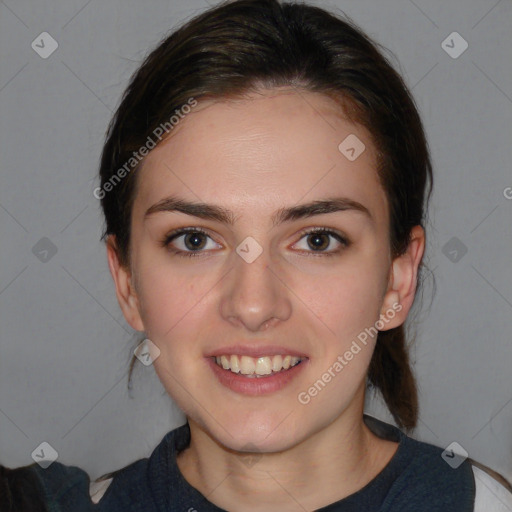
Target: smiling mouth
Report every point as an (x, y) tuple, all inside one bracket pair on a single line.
[(257, 367)]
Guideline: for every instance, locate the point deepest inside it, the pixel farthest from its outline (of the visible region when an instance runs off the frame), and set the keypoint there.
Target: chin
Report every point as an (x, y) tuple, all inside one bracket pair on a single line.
[(259, 444), (258, 433)]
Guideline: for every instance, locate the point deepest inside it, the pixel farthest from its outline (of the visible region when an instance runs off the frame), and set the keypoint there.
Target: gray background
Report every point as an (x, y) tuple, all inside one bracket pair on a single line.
[(65, 346)]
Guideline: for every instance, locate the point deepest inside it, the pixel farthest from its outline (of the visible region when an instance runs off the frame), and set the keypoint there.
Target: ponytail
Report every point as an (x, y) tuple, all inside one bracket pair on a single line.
[(390, 372)]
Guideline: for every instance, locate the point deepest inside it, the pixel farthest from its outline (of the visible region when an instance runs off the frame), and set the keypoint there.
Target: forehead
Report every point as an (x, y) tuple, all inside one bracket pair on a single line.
[(268, 149)]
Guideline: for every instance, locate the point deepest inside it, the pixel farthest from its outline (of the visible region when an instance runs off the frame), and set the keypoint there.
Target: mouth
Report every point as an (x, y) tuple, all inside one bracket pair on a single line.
[(260, 375), (258, 367)]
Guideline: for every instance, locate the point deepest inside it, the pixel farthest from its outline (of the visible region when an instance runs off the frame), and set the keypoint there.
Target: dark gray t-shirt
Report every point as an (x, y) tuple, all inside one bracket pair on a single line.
[(416, 479)]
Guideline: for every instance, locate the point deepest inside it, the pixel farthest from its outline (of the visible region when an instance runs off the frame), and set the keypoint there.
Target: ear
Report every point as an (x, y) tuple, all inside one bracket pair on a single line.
[(402, 282), (125, 291)]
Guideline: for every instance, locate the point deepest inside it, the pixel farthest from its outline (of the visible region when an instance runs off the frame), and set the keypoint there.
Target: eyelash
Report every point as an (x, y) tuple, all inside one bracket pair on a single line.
[(194, 254)]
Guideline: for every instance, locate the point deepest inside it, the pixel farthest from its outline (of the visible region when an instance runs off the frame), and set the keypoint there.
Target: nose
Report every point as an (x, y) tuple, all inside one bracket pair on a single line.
[(254, 295)]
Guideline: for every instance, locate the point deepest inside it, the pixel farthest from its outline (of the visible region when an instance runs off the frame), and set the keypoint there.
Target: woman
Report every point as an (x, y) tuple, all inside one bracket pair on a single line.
[(264, 184)]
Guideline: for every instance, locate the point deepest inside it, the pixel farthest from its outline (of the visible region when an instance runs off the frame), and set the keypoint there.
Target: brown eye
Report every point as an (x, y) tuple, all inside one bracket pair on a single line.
[(322, 241), (318, 241), (194, 240), (189, 242)]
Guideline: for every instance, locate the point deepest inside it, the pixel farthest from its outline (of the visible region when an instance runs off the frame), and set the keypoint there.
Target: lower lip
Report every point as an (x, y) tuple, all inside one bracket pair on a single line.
[(256, 385)]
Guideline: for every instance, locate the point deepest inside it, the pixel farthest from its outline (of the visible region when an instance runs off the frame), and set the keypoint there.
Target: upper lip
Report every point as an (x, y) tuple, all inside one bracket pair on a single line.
[(254, 351)]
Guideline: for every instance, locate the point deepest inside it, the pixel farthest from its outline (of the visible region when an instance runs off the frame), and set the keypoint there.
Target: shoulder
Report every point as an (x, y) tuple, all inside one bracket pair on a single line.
[(438, 479), (60, 488), (126, 489), (32, 488), (491, 494), (430, 480)]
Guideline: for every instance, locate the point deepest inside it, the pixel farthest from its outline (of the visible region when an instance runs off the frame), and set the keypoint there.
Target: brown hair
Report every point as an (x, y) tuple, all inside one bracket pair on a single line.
[(239, 47)]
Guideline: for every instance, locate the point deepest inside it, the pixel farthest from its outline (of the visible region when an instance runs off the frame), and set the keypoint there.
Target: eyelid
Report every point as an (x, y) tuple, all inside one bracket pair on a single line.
[(326, 230), (178, 232), (338, 235)]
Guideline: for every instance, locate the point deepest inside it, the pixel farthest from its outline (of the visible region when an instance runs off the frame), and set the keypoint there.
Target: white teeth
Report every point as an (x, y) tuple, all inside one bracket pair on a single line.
[(264, 365), (224, 362), (234, 364), (247, 365), (277, 363)]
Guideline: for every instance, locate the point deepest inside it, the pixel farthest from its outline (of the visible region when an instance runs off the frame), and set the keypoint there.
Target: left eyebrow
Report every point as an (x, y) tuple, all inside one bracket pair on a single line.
[(319, 207), (220, 214)]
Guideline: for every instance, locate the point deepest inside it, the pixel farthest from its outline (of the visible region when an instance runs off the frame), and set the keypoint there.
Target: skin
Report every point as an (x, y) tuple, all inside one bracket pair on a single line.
[(253, 156)]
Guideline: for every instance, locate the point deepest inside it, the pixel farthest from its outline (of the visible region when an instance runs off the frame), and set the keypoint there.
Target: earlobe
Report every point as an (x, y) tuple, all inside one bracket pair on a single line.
[(125, 291), (402, 284)]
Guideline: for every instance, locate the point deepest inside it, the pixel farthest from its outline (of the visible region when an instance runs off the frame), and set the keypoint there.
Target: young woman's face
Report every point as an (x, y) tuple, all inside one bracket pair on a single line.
[(253, 285)]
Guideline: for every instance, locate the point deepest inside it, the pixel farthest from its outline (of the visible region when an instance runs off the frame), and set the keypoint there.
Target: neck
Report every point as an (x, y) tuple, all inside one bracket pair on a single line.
[(328, 466)]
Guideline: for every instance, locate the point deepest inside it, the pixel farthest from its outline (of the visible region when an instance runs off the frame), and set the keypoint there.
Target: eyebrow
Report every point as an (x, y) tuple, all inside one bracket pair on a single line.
[(225, 216)]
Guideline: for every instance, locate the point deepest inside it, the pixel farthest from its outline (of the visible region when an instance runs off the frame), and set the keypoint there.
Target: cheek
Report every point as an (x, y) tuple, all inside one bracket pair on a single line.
[(172, 302), (345, 308), (175, 316), (342, 303)]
